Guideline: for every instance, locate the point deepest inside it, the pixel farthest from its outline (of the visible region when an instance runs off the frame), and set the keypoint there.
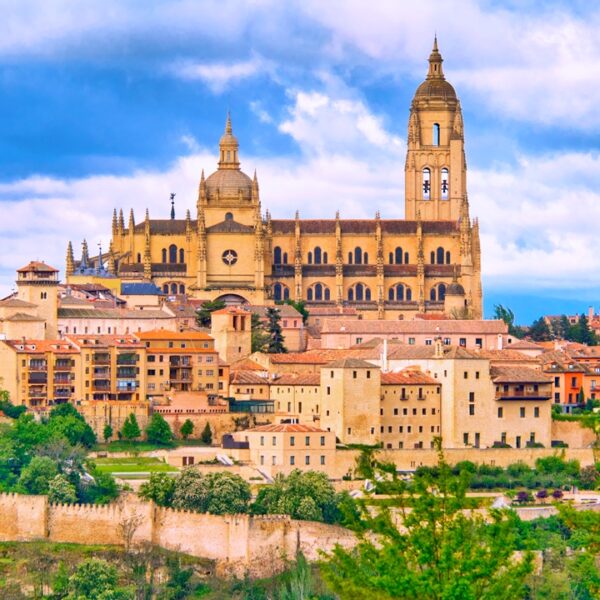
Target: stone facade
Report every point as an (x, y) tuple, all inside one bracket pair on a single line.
[(384, 268), (238, 543)]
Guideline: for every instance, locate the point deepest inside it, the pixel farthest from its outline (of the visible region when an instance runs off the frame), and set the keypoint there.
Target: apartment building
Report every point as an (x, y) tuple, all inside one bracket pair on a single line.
[(113, 367), (180, 361), (40, 373)]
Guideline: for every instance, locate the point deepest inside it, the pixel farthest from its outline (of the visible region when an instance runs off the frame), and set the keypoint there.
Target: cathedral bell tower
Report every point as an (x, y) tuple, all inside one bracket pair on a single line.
[(435, 171)]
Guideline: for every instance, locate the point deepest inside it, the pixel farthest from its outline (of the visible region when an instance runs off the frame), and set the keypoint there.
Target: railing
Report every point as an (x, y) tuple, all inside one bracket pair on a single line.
[(101, 387), (62, 379), (35, 365), (176, 361), (101, 359), (63, 365), (127, 359), (126, 372)]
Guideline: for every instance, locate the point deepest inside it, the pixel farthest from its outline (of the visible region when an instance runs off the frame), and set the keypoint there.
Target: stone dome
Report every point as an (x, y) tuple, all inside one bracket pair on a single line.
[(455, 289), (230, 183), (437, 89)]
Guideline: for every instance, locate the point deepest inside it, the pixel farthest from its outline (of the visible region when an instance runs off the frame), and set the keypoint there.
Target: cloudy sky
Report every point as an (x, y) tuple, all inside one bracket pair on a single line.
[(116, 104)]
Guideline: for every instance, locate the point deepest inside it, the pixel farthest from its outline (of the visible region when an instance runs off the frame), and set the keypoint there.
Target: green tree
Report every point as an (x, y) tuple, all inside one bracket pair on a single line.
[(203, 316), (60, 581), (158, 431), (159, 488), (8, 408), (440, 552), (302, 495), (508, 316), (259, 337), (61, 490), (206, 435), (131, 429), (582, 332), (273, 327), (72, 428), (216, 493), (96, 579), (300, 306), (36, 477), (187, 429), (107, 432), (540, 331)]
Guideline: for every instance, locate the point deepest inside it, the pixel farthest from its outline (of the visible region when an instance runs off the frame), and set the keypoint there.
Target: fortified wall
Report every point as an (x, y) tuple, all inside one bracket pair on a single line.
[(237, 543)]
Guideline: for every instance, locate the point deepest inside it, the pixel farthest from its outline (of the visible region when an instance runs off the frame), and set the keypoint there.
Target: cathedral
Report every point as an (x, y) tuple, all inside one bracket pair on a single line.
[(428, 262)]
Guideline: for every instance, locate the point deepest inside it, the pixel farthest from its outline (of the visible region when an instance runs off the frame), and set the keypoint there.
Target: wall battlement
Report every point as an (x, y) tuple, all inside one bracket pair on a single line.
[(237, 543)]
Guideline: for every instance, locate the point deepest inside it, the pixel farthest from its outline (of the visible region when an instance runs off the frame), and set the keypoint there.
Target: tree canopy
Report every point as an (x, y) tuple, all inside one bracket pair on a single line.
[(158, 431), (204, 313)]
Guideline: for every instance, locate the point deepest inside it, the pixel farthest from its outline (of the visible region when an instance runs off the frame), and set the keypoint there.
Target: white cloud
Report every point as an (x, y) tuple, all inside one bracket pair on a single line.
[(218, 76)]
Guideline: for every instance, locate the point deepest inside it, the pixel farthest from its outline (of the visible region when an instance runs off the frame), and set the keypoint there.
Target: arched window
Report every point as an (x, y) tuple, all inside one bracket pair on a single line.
[(286, 293), (285, 258), (181, 288), (139, 257), (181, 255), (174, 289), (448, 257), (277, 292), (406, 258), (277, 255), (324, 258), (432, 257), (365, 259), (310, 258), (433, 294), (441, 292), (309, 294), (349, 258), (444, 184), (400, 293), (164, 255), (367, 294), (398, 256), (391, 258), (436, 134), (440, 256), (361, 292), (318, 256), (228, 216), (351, 295), (172, 253), (426, 183), (166, 288), (318, 291), (357, 256), (327, 295)]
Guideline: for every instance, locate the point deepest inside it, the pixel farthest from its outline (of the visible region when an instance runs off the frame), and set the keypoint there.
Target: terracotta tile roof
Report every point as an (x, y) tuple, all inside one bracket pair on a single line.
[(285, 310), (111, 313), (350, 363), (526, 345), (158, 350), (403, 352), (518, 375), (438, 327), (164, 226), (247, 378), (16, 303), (19, 316), (246, 364), (163, 334), (333, 310), (288, 428), (408, 377), (37, 267), (231, 310), (42, 346), (106, 341), (506, 354), (308, 379)]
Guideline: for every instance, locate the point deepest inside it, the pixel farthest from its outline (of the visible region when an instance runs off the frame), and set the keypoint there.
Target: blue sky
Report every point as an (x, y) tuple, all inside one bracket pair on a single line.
[(109, 103)]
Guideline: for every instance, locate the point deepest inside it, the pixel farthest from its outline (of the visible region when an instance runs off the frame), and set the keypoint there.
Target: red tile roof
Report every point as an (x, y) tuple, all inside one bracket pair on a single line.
[(288, 428), (408, 377)]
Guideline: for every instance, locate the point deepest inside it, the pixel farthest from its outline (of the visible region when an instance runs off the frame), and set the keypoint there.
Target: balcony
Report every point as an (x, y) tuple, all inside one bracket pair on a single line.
[(180, 375), (62, 394), (62, 379), (39, 378), (127, 359), (101, 386), (127, 385), (180, 361), (520, 394), (126, 372), (63, 365), (101, 359), (38, 365), (101, 372)]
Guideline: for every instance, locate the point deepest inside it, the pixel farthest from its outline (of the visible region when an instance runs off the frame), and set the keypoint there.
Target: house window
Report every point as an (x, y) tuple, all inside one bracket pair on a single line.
[(471, 409), (536, 412), (522, 412), (500, 412), (292, 460), (307, 459), (322, 460)]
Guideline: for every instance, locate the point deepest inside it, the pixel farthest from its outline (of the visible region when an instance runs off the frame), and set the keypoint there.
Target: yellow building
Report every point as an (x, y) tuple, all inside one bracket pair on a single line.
[(40, 373), (385, 268), (180, 361)]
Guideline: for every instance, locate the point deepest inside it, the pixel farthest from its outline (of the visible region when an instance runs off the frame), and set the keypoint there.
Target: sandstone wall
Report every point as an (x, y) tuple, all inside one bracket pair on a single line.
[(237, 543), (573, 433)]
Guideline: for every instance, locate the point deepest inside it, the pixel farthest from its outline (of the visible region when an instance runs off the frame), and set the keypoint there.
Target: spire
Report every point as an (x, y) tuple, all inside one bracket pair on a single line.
[(111, 259), (147, 224), (435, 62), (172, 205), (228, 148), (99, 264), (85, 257), (121, 221), (115, 223), (70, 267), (188, 224), (131, 221)]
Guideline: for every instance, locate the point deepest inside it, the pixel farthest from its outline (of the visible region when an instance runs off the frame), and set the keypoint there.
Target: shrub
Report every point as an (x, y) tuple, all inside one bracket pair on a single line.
[(557, 494), (523, 497), (158, 431), (542, 494)]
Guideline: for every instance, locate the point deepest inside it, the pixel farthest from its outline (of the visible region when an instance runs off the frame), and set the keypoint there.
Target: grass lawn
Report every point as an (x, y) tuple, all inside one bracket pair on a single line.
[(125, 446), (136, 464)]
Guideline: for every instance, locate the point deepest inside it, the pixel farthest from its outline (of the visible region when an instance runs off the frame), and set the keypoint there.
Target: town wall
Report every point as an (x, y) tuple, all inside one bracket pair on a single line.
[(237, 543), (573, 434)]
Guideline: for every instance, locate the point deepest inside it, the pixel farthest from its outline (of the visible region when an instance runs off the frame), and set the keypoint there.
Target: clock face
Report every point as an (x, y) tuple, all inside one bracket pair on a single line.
[(229, 257)]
